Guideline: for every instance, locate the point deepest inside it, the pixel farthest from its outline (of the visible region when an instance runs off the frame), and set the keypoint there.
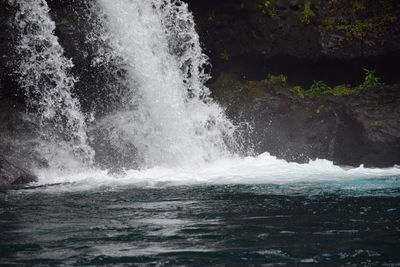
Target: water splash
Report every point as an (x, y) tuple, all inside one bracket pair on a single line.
[(170, 118), (263, 169), (165, 121), (44, 75)]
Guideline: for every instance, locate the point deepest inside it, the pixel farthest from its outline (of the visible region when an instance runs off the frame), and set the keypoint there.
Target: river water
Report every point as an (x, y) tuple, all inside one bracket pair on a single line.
[(162, 179), (344, 222)]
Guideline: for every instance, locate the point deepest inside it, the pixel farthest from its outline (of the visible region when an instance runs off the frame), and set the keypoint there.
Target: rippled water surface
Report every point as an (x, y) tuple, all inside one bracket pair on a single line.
[(331, 223)]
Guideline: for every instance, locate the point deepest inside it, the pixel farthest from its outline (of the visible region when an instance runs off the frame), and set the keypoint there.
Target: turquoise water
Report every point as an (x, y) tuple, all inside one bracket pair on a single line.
[(331, 223)]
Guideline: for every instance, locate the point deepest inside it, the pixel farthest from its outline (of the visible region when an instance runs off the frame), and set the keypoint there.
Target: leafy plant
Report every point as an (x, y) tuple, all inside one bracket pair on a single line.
[(298, 90), (224, 55), (356, 30), (307, 14), (265, 6), (370, 80), (318, 88), (277, 79)]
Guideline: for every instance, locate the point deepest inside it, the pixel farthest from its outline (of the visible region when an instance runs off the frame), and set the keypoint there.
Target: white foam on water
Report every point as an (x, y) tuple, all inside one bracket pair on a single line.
[(264, 169)]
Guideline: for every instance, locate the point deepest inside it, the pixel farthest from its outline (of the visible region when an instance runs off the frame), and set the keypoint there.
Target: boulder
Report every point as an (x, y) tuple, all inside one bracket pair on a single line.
[(11, 174), (361, 128)]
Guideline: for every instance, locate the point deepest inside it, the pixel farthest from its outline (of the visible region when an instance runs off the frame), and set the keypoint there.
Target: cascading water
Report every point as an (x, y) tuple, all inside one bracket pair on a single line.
[(43, 73), (170, 118), (161, 119), (152, 116)]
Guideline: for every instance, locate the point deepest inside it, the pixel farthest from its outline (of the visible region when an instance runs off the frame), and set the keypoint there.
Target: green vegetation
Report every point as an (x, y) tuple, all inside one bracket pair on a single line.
[(375, 124), (307, 14), (370, 80), (387, 4), (211, 16), (230, 88), (266, 8), (298, 90), (282, 79), (359, 19), (319, 88), (225, 55)]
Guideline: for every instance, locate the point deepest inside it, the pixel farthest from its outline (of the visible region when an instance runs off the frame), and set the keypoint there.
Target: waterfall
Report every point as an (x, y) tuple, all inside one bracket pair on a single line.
[(169, 117), (44, 75), (151, 116)]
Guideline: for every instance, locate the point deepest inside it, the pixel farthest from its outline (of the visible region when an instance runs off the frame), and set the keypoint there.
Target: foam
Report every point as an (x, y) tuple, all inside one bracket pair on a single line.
[(263, 169)]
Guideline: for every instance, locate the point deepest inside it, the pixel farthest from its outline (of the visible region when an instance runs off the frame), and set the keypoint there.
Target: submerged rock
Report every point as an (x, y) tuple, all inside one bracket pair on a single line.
[(11, 174), (362, 128)]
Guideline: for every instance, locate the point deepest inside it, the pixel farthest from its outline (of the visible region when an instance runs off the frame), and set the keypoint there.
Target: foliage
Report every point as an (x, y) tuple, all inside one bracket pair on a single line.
[(230, 87), (370, 80), (358, 19), (211, 16), (342, 90), (225, 55), (298, 90), (277, 79), (266, 8), (387, 4), (307, 14), (319, 88)]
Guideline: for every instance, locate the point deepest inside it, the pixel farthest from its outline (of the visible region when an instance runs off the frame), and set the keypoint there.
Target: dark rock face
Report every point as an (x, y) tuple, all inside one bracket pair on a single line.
[(18, 135), (12, 175), (349, 130), (241, 39), (370, 129), (245, 27)]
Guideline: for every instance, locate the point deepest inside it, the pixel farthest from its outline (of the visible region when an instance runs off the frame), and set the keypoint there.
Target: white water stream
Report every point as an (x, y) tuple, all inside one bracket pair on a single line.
[(179, 135), (44, 75), (170, 120)]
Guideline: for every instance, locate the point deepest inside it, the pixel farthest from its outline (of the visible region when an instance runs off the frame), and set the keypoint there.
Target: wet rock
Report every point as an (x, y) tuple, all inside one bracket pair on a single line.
[(11, 175), (363, 128), (369, 133), (246, 27), (18, 135)]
